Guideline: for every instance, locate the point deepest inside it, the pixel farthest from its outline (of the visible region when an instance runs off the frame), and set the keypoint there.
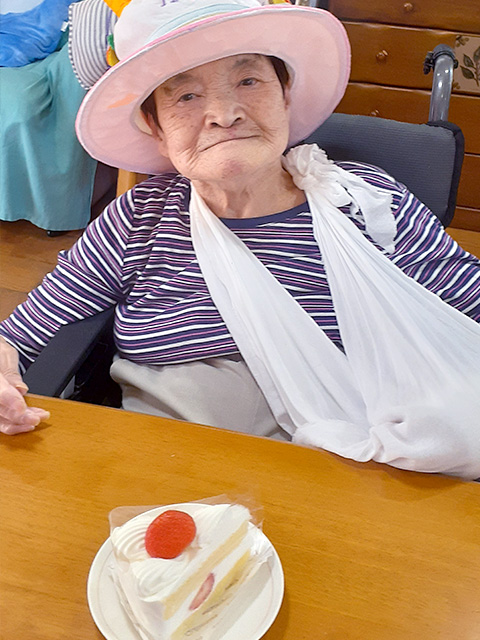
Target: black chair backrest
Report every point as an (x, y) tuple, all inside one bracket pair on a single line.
[(426, 158)]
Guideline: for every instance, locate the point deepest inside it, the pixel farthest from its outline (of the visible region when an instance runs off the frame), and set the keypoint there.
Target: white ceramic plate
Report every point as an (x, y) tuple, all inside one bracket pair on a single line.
[(247, 617)]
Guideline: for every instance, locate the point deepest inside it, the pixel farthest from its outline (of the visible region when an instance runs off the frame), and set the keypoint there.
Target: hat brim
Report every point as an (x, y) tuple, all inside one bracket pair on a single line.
[(312, 42)]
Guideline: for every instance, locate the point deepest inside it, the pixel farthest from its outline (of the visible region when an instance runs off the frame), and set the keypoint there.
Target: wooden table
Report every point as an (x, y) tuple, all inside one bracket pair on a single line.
[(369, 552)]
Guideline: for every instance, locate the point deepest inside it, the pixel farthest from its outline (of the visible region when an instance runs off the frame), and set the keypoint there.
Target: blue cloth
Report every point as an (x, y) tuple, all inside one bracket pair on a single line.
[(45, 175), (31, 35)]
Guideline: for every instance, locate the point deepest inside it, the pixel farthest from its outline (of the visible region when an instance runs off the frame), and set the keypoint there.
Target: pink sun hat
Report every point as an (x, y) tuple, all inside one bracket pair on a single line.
[(157, 39)]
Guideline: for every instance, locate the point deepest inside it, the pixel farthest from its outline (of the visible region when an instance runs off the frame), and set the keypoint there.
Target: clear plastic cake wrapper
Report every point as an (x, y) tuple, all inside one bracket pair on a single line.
[(217, 619), (120, 515)]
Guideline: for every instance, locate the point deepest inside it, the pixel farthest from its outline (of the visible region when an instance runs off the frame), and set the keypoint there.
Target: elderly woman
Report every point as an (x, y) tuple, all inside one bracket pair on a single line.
[(280, 296)]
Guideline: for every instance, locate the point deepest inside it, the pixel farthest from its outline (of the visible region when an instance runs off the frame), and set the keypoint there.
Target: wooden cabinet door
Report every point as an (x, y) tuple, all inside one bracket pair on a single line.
[(454, 15), (393, 56)]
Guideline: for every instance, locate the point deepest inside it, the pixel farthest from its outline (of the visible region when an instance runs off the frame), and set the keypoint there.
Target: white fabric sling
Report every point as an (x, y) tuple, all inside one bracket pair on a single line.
[(406, 390)]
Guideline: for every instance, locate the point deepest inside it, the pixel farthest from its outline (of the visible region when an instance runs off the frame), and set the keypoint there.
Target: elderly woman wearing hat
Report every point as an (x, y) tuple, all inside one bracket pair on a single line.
[(280, 295)]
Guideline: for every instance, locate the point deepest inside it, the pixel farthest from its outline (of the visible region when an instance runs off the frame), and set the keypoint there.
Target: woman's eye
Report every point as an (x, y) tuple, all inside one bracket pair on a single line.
[(248, 82), (187, 97)]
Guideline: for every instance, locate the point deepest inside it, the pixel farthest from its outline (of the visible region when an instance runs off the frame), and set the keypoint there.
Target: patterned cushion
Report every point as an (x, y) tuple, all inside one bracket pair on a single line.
[(91, 22)]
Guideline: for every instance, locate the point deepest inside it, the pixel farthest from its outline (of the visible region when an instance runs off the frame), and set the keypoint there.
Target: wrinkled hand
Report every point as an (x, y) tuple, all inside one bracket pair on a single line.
[(15, 416)]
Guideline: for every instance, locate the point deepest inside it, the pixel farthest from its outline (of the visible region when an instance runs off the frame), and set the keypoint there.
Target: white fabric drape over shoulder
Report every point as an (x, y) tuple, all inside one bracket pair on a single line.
[(406, 391)]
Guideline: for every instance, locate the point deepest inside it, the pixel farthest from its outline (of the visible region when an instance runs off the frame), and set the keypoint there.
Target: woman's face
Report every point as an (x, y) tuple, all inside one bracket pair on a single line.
[(225, 120)]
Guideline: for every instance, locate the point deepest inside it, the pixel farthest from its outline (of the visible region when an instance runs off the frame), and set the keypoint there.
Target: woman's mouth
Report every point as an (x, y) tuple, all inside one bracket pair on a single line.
[(231, 139)]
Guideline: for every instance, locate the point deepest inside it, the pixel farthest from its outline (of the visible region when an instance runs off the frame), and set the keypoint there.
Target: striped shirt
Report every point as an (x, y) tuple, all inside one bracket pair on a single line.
[(138, 255)]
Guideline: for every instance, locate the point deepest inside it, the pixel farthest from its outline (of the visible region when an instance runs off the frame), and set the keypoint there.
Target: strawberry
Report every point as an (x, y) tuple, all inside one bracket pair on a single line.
[(169, 534), (203, 592)]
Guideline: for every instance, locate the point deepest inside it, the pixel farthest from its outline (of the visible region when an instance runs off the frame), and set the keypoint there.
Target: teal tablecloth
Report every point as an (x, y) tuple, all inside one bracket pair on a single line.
[(45, 175)]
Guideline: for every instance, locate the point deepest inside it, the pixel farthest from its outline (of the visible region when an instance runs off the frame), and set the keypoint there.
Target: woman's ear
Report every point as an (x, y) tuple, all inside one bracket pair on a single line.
[(157, 133), (151, 124), (287, 95)]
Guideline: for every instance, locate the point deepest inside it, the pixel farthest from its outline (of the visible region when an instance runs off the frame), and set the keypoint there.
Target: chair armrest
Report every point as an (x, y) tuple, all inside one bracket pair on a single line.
[(68, 350)]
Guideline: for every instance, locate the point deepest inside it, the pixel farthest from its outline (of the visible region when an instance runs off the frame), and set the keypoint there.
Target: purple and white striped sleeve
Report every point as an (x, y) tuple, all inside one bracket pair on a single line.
[(425, 252), (87, 280)]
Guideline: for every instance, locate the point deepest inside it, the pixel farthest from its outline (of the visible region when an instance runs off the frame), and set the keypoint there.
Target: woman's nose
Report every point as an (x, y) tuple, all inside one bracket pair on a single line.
[(223, 111)]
